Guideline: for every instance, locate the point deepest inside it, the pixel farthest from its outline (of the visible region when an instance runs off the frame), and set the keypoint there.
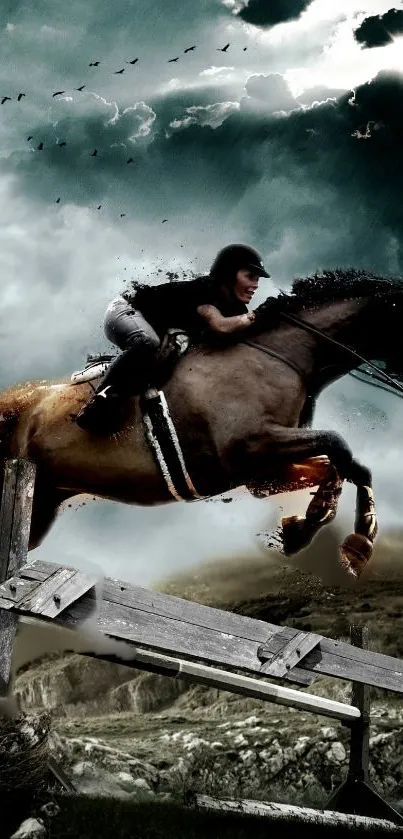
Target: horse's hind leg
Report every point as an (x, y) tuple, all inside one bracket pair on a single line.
[(298, 531), (46, 502)]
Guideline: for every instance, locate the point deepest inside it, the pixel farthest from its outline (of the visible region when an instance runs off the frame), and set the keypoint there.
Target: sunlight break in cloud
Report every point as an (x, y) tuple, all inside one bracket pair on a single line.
[(344, 63)]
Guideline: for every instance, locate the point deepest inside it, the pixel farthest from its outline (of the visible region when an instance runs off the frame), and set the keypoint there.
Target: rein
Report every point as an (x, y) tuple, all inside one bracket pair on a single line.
[(308, 328)]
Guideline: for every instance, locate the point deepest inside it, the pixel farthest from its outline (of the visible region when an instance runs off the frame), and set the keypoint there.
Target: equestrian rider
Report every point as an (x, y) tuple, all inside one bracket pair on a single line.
[(138, 320)]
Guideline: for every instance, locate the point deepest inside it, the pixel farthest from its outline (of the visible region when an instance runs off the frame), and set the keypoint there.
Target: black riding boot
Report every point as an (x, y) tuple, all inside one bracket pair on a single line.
[(128, 375)]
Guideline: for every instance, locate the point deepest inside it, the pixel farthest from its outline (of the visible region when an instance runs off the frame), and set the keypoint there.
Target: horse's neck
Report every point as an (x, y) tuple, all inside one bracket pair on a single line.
[(346, 322), (341, 320)]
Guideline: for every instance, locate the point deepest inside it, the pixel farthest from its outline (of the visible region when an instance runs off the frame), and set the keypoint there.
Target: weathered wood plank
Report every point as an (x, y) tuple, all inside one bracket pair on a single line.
[(274, 811), (69, 592), (63, 587), (15, 524), (292, 653), (197, 632), (228, 622), (270, 635), (37, 569), (154, 602), (173, 636), (198, 643), (15, 590), (361, 697), (7, 516)]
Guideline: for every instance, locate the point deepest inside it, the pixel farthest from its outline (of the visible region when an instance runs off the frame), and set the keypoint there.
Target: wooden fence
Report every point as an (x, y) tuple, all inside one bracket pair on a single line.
[(182, 639)]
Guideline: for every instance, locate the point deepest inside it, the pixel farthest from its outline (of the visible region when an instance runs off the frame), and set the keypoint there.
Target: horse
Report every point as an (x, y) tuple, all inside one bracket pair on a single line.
[(242, 410)]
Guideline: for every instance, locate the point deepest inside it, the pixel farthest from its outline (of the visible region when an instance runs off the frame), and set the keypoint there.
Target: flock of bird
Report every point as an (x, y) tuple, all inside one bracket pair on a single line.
[(115, 73), (97, 63)]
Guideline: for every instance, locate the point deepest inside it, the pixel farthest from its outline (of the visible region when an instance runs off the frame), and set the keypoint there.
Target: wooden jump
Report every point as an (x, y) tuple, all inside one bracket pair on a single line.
[(186, 640)]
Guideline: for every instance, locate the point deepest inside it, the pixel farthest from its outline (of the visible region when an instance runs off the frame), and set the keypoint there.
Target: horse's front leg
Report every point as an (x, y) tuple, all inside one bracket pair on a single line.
[(356, 549), (279, 447)]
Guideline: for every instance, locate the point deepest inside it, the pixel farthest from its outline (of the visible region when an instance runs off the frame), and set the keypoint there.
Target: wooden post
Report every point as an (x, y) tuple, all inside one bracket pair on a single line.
[(15, 524), (357, 794)]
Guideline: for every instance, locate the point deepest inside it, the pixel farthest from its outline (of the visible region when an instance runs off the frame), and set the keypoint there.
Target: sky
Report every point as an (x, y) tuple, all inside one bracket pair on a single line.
[(288, 140)]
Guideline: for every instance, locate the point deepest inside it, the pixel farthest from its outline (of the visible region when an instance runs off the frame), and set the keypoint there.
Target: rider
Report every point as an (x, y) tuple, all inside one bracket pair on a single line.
[(138, 320)]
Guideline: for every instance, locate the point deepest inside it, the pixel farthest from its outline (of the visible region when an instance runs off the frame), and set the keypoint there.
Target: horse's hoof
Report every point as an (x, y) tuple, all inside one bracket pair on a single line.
[(272, 541), (355, 553), (296, 534)]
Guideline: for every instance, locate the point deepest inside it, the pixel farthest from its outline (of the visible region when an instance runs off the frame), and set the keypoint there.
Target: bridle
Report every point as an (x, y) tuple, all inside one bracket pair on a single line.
[(318, 332)]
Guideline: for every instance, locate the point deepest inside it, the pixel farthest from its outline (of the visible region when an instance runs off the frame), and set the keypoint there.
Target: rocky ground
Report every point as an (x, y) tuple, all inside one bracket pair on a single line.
[(256, 752)]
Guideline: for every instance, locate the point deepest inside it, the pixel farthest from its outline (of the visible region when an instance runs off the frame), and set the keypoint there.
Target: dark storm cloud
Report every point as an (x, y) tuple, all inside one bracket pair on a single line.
[(315, 168), (125, 17), (332, 170), (378, 30), (271, 12)]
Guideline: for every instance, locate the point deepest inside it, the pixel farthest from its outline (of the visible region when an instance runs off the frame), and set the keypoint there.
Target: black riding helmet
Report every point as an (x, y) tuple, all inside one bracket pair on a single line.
[(234, 258)]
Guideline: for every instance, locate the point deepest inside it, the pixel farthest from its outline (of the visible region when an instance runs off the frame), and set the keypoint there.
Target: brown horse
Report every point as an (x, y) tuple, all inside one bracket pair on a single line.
[(239, 412)]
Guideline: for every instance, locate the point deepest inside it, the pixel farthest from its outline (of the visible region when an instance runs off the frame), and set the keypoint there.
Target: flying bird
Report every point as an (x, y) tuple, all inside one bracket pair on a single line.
[(40, 147), (122, 214), (245, 48), (80, 88), (132, 62), (57, 201), (4, 99), (223, 49), (189, 49), (98, 208), (20, 95), (173, 59), (94, 153), (29, 138), (94, 64), (119, 71), (58, 93), (63, 143), (164, 219), (130, 160)]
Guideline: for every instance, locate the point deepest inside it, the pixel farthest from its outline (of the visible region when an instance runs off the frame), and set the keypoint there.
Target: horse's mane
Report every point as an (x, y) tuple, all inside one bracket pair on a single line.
[(327, 287)]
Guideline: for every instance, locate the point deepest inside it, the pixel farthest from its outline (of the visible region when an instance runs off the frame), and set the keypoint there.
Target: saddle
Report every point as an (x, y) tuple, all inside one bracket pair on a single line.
[(174, 345)]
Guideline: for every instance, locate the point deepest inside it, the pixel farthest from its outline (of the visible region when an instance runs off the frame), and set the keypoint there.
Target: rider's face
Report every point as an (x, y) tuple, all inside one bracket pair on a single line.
[(246, 283)]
